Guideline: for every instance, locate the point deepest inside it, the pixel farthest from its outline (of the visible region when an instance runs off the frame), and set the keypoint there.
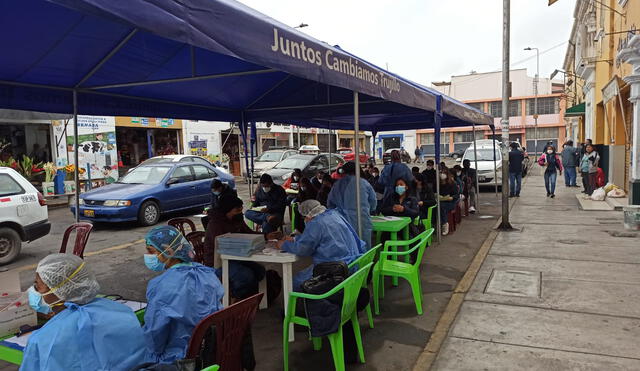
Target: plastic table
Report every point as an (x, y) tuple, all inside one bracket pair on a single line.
[(393, 227), (14, 356), (286, 259)]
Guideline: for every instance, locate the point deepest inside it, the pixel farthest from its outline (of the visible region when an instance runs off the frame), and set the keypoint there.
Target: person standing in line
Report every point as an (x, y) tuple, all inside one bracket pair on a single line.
[(471, 175), (394, 171), (589, 169), (569, 162), (430, 174), (552, 162), (419, 156), (516, 157)]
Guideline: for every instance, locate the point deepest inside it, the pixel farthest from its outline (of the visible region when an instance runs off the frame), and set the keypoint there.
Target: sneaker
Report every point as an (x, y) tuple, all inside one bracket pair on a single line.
[(553, 195), (445, 229), (472, 209), (548, 194), (518, 195)]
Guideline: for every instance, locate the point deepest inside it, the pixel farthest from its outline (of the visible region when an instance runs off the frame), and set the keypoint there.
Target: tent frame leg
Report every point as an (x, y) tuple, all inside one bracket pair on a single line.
[(356, 132)]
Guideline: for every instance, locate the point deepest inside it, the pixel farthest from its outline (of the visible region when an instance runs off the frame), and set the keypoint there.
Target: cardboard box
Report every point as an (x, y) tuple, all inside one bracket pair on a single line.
[(14, 305)]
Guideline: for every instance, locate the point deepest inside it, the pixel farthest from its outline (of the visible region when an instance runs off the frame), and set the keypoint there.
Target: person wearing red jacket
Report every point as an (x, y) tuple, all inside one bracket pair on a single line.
[(552, 162)]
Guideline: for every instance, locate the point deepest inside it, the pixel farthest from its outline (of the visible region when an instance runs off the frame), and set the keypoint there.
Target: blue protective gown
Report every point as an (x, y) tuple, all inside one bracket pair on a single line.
[(100, 335), (343, 198), (328, 237), (176, 301), (391, 173)]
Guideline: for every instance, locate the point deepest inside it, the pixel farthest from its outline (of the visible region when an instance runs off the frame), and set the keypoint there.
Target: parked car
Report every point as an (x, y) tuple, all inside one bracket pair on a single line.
[(349, 155), (309, 149), (269, 159), (23, 214), (456, 154), (485, 151), (308, 163), (148, 191), (386, 156), (181, 158)]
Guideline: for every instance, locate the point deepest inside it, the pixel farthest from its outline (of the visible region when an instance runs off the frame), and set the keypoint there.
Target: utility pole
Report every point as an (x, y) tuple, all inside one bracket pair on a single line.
[(536, 80), (505, 225)]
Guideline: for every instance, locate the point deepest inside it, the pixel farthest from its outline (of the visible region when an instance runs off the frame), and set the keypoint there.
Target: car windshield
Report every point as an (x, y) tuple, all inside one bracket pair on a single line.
[(270, 156), (293, 163), (484, 154), (156, 160), (344, 151), (145, 175)]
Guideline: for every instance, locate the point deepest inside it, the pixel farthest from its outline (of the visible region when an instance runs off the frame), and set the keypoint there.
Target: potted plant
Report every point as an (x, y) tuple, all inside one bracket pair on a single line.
[(48, 187), (70, 184)]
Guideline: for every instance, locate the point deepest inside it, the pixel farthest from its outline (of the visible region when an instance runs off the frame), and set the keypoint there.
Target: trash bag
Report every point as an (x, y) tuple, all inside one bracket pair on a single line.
[(616, 193), (609, 187), (599, 194)]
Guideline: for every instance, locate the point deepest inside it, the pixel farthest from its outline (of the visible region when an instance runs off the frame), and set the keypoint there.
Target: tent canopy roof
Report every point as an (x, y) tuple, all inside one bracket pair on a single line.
[(198, 59)]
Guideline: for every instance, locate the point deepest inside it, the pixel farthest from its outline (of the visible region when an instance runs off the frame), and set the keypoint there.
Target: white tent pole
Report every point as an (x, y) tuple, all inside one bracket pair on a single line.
[(436, 133), (76, 172), (356, 130), (475, 156)]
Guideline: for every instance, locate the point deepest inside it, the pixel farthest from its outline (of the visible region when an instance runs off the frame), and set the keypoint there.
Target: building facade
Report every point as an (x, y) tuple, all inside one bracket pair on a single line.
[(483, 91), (599, 68)]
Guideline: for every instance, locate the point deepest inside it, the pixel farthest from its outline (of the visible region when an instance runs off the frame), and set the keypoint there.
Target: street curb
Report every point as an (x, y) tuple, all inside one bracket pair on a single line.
[(430, 352)]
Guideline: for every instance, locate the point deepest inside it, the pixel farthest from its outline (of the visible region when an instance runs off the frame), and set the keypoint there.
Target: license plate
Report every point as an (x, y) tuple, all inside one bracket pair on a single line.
[(481, 178), (90, 213)]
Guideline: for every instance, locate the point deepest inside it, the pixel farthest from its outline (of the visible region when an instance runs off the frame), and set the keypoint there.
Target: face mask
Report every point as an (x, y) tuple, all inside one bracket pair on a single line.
[(443, 176), (36, 301), (295, 178), (216, 193), (549, 151), (153, 263), (400, 190), (303, 188), (429, 167), (266, 189), (375, 174), (458, 173)]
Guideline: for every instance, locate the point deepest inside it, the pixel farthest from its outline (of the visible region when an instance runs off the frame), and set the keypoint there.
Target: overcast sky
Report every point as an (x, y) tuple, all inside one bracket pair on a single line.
[(430, 40)]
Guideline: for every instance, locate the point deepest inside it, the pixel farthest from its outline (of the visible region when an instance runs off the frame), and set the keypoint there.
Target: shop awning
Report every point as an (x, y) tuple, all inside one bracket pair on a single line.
[(577, 110), (198, 59)]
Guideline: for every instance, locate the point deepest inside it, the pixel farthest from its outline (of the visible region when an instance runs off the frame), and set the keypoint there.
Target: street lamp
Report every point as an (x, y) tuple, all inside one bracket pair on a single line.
[(535, 104)]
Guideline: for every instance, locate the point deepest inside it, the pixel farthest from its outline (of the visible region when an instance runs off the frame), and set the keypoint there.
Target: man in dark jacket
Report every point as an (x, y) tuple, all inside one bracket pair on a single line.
[(570, 162), (516, 157), (270, 204), (218, 190), (430, 174)]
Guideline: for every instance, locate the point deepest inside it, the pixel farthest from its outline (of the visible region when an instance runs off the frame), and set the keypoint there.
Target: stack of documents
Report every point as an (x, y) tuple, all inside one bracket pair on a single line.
[(239, 244)]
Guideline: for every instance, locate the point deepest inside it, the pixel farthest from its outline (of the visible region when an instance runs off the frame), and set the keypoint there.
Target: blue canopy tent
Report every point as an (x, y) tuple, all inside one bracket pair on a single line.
[(202, 60)]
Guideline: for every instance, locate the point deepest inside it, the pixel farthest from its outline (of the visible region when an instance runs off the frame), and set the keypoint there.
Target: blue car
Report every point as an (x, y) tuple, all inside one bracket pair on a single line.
[(148, 191)]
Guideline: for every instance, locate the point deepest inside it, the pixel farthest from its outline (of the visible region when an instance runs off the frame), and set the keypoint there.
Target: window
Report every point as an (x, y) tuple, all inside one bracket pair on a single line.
[(479, 105), (8, 186), (335, 161), (495, 109), (467, 136), (201, 172), (200, 160), (427, 139), (145, 175), (515, 109), (543, 133), (183, 174), (546, 106), (186, 159)]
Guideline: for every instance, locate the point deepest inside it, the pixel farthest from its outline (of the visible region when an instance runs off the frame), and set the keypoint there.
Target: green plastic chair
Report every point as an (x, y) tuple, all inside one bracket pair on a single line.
[(363, 260), (396, 268), (428, 222), (211, 368), (294, 209), (351, 288)]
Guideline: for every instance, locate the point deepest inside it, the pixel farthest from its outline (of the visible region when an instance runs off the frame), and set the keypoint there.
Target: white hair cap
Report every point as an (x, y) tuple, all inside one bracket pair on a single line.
[(311, 208), (68, 278)]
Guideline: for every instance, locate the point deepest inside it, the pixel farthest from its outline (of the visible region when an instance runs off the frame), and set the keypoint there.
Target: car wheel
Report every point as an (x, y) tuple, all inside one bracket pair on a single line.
[(149, 213), (10, 245)]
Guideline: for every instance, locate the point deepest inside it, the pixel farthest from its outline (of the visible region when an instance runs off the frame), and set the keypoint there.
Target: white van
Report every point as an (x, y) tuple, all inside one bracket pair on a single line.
[(485, 151), (23, 214)]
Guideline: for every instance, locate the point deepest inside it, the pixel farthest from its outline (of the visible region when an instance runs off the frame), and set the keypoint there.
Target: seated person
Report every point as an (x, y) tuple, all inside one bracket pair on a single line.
[(294, 180), (179, 298), (273, 200), (243, 276), (425, 195), (86, 333), (218, 189), (323, 193), (430, 174), (456, 172), (327, 237), (307, 192), (448, 197), (317, 180), (401, 202)]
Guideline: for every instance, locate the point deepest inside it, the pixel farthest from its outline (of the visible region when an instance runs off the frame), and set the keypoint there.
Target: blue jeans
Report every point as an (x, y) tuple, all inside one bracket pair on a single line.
[(445, 207), (550, 181), (243, 278), (260, 218), (570, 176), (515, 183)]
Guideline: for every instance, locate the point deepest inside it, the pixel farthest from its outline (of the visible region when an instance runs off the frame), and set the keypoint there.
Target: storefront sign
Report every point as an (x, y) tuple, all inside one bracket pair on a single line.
[(148, 122)]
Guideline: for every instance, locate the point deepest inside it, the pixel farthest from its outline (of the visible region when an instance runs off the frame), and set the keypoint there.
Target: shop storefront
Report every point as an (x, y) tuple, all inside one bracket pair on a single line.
[(32, 139)]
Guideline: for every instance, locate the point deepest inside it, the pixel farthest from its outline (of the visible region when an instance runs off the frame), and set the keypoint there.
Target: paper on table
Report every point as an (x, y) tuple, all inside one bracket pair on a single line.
[(134, 305), (386, 218), (17, 342)]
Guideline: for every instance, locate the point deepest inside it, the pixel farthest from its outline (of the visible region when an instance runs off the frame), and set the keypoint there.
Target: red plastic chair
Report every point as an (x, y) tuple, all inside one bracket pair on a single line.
[(466, 206), (83, 230), (231, 325), (197, 241), (451, 219), (181, 223)]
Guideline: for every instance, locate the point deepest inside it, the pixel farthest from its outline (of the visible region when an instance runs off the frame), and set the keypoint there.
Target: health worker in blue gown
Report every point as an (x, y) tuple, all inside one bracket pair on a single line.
[(327, 237), (85, 333), (343, 198), (179, 298)]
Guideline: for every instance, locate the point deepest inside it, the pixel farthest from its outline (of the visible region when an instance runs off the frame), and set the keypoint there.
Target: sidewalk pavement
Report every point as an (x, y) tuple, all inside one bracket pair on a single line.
[(561, 293)]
